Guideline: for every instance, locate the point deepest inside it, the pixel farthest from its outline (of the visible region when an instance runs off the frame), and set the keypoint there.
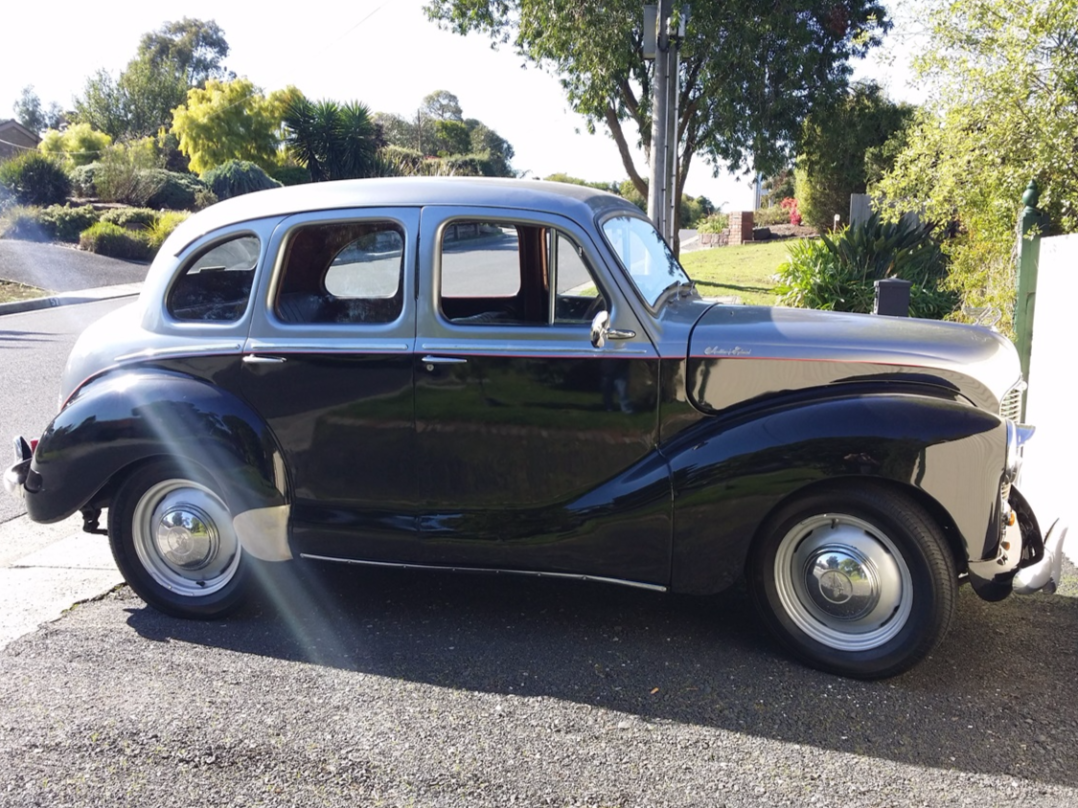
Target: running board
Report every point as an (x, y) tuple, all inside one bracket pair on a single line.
[(561, 575)]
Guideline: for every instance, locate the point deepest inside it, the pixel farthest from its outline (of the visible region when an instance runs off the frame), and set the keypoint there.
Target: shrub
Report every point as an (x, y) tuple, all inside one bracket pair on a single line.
[(839, 273), (112, 240), (715, 223), (120, 176), (291, 175), (162, 228), (204, 197), (24, 223), (768, 217), (238, 177), (78, 145), (173, 191), (65, 224), (131, 218), (82, 179), (34, 179)]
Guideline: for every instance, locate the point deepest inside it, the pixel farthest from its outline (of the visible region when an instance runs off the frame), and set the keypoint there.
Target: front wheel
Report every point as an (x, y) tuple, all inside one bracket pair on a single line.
[(855, 580), (173, 540)]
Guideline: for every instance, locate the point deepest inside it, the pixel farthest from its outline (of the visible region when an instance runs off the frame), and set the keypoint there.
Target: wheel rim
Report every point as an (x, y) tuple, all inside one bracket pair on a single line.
[(843, 582), (184, 539)]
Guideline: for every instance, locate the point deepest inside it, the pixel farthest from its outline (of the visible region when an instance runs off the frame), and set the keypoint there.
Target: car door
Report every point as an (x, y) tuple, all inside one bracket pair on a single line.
[(535, 449), (329, 364)]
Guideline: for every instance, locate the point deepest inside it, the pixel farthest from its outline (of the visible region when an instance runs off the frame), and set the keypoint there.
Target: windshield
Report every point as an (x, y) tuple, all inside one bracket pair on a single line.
[(644, 255)]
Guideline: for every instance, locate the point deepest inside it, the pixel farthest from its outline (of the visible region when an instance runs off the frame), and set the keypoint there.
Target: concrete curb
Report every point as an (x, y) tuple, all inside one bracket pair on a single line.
[(70, 298)]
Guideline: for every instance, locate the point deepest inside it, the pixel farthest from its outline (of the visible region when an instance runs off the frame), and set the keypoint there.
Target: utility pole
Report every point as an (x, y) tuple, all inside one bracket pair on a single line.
[(659, 174)]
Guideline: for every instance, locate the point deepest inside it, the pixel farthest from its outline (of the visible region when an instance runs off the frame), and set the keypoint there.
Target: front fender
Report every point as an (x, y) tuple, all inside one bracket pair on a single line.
[(128, 416), (730, 473)]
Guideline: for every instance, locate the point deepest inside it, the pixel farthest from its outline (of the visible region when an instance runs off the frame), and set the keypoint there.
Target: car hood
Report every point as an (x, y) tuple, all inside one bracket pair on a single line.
[(824, 348)]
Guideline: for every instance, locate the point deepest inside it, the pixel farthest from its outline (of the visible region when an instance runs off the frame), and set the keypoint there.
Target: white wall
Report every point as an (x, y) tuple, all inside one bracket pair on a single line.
[(1050, 474)]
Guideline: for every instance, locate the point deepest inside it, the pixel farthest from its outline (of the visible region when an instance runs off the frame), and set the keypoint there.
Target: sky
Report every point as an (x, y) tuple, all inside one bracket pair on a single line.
[(384, 53)]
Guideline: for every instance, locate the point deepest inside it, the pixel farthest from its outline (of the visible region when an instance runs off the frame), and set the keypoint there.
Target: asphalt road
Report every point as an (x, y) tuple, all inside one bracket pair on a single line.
[(441, 690), (63, 269), (33, 349)]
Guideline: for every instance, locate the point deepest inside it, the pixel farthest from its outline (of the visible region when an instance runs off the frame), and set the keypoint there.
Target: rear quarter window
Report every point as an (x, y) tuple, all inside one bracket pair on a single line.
[(215, 285)]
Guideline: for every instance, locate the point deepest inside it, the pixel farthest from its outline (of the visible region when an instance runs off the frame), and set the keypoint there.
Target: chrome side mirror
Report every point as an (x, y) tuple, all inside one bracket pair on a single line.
[(601, 330), (600, 325)]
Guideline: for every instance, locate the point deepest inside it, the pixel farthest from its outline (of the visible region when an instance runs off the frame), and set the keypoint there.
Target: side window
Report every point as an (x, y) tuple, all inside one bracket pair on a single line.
[(342, 272), (497, 273), (216, 284)]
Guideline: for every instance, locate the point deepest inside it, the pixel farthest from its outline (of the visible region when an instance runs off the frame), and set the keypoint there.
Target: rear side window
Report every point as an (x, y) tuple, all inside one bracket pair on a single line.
[(216, 284), (343, 272)]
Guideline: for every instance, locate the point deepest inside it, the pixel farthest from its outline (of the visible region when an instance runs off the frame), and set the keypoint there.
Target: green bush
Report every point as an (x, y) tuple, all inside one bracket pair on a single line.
[(839, 273), (162, 228), (34, 179), (291, 175), (78, 145), (65, 224), (173, 191), (715, 223), (769, 217), (238, 177), (131, 218), (114, 241), (23, 223), (204, 197), (82, 180)]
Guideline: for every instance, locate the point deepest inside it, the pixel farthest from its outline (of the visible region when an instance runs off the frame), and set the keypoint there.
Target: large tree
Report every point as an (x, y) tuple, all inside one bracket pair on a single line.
[(168, 63), (1002, 110), (750, 72), (835, 142), (30, 112)]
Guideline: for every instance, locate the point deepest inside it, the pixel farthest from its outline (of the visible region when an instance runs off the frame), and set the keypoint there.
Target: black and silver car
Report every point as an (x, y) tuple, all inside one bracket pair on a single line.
[(519, 377)]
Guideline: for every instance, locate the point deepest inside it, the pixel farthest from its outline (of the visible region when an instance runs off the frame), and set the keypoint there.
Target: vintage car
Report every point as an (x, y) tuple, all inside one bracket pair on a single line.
[(518, 376)]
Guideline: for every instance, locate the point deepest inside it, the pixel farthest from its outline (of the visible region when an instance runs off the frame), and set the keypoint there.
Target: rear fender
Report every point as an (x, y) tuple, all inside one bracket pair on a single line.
[(730, 473), (126, 417)]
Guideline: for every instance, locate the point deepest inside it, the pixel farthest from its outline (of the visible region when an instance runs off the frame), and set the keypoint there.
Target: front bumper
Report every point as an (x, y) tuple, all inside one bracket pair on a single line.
[(1043, 575)]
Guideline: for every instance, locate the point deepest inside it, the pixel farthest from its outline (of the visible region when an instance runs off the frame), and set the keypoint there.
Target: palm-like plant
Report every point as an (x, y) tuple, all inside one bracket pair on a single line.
[(333, 141)]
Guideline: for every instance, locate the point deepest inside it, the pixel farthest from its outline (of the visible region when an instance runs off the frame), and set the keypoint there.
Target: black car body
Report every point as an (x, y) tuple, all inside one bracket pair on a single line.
[(518, 376)]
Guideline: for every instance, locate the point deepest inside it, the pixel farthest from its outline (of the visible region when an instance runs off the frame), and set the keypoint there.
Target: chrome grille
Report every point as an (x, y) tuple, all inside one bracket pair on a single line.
[(1010, 406)]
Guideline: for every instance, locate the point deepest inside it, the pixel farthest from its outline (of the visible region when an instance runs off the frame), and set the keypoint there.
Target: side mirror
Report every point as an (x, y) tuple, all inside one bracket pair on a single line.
[(600, 325), (601, 330)]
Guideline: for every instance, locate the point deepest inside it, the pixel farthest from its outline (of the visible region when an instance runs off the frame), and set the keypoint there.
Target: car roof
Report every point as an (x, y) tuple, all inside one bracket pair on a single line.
[(575, 201)]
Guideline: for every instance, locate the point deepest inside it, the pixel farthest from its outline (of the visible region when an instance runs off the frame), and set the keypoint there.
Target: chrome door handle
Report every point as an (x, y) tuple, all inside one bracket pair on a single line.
[(444, 360), (260, 359), (614, 333)]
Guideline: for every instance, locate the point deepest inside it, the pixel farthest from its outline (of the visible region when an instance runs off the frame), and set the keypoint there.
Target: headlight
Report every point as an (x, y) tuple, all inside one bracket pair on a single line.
[(1016, 441)]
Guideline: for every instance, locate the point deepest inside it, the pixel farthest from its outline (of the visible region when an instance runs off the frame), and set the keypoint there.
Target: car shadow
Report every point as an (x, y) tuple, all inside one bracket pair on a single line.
[(997, 698)]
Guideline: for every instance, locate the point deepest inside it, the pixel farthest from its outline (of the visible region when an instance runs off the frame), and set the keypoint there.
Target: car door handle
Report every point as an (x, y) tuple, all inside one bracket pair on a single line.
[(261, 359), (444, 360)]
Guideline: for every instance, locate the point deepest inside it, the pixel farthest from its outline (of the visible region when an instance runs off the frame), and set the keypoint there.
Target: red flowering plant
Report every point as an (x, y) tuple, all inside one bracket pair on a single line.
[(789, 204)]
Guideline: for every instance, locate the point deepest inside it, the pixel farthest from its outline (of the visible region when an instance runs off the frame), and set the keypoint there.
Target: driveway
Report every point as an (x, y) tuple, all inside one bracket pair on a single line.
[(442, 690), (57, 268)]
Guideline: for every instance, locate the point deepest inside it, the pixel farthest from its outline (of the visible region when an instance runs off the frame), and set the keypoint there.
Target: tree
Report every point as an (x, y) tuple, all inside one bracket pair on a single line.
[(749, 73), (485, 140), (834, 142), (451, 137), (442, 105), (1002, 109), (168, 63), (191, 48), (333, 141), (78, 145), (31, 114), (227, 121)]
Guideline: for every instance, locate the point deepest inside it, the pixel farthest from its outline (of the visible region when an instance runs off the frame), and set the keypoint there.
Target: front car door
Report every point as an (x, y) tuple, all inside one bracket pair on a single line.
[(329, 365), (535, 450)]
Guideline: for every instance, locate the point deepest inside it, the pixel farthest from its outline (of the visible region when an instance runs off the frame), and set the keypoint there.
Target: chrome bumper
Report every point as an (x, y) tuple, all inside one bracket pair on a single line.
[(1043, 575), (15, 476)]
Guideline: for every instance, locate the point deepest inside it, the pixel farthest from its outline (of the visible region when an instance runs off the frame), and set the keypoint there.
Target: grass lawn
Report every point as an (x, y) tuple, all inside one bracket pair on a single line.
[(744, 270), (10, 292)]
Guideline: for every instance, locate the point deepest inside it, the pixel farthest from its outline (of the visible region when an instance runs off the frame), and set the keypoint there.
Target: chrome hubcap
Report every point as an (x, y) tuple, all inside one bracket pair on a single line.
[(184, 539), (843, 582)]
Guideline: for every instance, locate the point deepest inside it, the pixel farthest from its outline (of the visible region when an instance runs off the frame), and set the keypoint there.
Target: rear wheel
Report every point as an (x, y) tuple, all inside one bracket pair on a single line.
[(855, 580), (173, 540)]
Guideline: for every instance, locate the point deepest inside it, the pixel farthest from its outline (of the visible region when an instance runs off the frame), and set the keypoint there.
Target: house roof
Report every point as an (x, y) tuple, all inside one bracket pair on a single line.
[(12, 125)]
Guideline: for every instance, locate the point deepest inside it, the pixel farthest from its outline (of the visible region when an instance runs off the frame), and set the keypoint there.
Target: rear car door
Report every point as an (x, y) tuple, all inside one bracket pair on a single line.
[(329, 365)]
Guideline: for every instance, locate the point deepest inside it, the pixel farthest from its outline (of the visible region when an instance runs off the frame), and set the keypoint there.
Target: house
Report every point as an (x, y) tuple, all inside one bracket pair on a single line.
[(15, 138)]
